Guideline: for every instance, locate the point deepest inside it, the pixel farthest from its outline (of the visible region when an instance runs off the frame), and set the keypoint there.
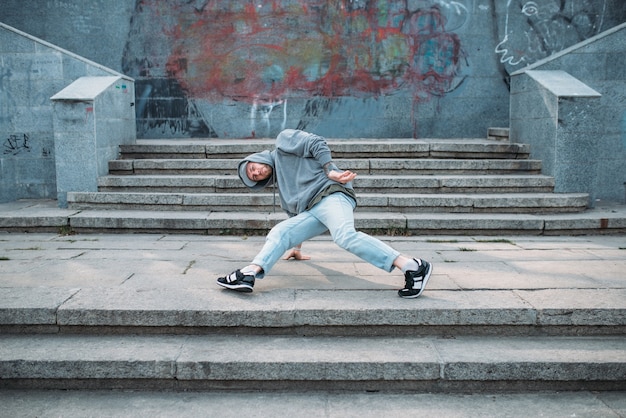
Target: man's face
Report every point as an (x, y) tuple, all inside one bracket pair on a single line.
[(258, 171)]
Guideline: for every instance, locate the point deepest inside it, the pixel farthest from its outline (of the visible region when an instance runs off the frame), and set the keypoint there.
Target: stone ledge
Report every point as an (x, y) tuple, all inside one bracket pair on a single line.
[(322, 359), (288, 308)]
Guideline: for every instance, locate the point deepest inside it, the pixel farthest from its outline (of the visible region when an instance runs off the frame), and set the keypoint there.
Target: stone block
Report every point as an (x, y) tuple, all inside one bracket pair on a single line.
[(562, 84), (88, 357), (541, 358), (382, 222), (567, 307), (158, 221), (526, 223), (280, 358), (445, 308), (498, 133), (32, 306)]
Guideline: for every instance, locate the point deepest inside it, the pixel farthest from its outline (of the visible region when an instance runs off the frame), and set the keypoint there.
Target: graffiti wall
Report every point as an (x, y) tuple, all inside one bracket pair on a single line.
[(296, 60), (533, 30), (341, 68)]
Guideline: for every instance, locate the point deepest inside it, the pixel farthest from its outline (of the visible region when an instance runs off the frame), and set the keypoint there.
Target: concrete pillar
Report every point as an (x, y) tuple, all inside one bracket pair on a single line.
[(554, 113), (91, 118)]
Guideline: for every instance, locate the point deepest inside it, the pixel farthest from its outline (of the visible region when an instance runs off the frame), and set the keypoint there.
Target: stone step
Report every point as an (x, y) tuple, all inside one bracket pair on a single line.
[(265, 403), (341, 148), (45, 216), (383, 202), (213, 166), (251, 362), (365, 184), (313, 312), (254, 223)]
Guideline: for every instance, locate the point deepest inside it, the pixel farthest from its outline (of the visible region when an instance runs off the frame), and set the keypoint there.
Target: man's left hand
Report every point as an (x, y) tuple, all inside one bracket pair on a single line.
[(342, 177)]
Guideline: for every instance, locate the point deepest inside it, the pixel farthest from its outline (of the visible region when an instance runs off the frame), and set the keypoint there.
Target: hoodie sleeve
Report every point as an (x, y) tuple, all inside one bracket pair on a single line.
[(304, 144)]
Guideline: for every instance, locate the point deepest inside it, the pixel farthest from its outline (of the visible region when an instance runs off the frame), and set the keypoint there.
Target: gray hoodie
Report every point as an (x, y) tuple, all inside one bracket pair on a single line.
[(298, 167)]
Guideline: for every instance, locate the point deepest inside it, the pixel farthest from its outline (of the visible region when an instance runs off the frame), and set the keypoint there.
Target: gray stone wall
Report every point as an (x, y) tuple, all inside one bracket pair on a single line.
[(404, 68), (31, 72), (581, 142)]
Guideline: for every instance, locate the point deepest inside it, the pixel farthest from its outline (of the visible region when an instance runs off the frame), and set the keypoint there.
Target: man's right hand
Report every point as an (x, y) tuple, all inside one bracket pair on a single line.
[(296, 254)]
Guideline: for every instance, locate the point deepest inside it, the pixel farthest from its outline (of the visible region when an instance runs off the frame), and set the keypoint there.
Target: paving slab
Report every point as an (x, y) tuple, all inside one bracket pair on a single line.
[(78, 404), (20, 305)]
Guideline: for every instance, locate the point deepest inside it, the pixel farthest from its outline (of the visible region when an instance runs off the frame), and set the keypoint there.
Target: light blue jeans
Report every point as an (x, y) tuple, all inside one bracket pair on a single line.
[(334, 213)]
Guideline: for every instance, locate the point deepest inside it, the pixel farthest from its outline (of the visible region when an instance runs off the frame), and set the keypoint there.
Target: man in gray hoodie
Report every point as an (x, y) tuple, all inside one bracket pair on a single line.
[(318, 197)]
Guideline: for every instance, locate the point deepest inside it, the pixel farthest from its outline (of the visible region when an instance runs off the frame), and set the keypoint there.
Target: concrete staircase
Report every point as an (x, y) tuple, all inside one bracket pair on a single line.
[(302, 340), (158, 336), (142, 312), (405, 186)]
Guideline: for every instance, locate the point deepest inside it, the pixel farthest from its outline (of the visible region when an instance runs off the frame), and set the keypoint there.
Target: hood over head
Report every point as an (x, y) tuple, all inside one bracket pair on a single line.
[(264, 157)]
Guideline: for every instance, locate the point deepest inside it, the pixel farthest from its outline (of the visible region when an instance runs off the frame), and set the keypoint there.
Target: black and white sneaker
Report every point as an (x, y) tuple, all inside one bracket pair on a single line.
[(415, 280), (237, 281)]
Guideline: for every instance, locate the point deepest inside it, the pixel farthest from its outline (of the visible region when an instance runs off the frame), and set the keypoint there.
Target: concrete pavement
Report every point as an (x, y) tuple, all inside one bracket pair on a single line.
[(41, 272), (156, 280), (156, 261)]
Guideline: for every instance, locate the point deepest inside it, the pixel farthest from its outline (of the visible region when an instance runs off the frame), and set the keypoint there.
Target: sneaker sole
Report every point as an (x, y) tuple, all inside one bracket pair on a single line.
[(238, 287), (424, 283)]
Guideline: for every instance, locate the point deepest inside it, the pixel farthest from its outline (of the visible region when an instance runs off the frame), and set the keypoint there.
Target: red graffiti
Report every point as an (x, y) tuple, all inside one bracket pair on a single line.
[(268, 50)]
